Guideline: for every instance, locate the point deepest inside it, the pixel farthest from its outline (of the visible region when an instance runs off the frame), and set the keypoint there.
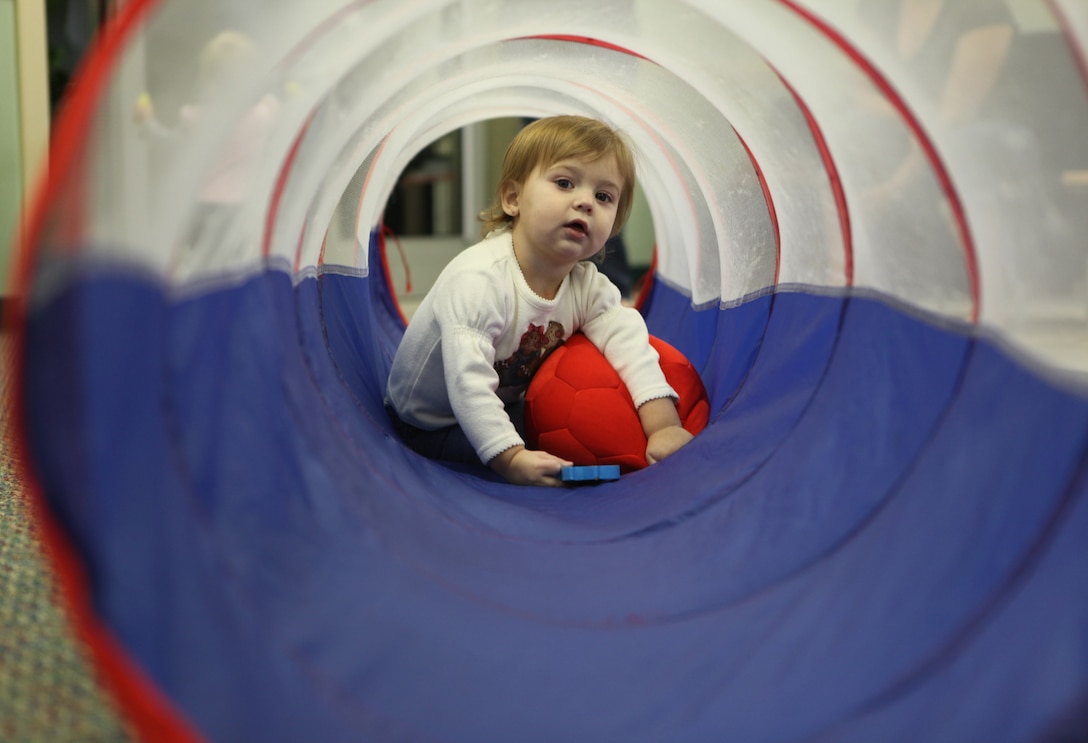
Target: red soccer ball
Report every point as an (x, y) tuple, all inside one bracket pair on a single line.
[(577, 407)]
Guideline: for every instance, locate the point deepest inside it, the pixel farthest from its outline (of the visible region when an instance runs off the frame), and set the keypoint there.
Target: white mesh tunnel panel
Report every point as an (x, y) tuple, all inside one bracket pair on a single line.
[(871, 144)]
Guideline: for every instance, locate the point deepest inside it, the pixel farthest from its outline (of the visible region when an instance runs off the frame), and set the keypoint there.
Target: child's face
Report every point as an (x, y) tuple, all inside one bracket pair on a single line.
[(564, 213)]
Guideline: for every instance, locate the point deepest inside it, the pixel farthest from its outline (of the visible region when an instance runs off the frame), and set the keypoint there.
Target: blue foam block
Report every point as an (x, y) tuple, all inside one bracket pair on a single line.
[(589, 473)]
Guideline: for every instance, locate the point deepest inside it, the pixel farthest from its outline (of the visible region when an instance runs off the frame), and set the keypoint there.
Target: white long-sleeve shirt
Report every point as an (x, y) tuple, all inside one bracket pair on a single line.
[(480, 334)]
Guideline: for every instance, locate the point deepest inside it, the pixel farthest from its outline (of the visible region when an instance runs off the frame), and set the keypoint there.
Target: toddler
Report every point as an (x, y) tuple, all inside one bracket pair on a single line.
[(501, 306)]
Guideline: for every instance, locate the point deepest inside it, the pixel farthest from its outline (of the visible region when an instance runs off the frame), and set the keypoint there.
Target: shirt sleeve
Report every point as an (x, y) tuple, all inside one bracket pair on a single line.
[(472, 319), (621, 335)]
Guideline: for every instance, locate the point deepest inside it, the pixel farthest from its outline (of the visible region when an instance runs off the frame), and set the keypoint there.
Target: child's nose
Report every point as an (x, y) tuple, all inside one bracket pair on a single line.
[(584, 200)]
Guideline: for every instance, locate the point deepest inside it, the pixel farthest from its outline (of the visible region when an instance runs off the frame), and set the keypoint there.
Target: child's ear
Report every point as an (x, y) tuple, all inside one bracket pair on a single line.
[(510, 198)]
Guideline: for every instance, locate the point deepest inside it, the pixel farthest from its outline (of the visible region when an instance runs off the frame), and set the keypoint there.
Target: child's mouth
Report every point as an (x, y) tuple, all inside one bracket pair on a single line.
[(580, 228)]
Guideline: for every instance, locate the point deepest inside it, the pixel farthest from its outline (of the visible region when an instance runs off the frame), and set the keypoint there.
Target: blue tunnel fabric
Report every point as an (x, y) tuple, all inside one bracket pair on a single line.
[(881, 536)]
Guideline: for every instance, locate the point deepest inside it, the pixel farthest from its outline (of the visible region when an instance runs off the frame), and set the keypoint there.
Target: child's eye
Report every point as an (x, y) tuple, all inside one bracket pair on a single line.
[(604, 197), (564, 182)]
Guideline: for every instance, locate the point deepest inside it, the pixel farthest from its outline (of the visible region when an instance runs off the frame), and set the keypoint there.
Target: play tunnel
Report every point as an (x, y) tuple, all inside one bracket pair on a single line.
[(870, 220)]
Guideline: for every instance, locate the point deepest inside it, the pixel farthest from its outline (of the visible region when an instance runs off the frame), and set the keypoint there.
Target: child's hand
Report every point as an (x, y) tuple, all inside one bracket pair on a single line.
[(666, 441), (661, 424), (523, 466)]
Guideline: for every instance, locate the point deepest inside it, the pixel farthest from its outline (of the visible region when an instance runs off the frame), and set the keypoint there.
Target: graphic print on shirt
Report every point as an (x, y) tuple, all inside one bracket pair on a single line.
[(535, 345)]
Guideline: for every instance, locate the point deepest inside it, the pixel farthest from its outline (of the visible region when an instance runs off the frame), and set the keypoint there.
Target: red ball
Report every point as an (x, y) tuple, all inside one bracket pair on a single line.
[(577, 407)]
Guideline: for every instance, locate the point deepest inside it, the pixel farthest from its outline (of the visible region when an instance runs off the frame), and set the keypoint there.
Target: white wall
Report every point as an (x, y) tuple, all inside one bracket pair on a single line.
[(24, 117)]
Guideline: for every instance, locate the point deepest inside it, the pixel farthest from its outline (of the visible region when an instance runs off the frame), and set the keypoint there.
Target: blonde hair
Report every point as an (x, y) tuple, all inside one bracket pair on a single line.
[(547, 141)]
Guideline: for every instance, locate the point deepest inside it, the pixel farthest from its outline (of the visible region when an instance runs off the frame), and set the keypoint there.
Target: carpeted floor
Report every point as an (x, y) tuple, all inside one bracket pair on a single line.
[(48, 690)]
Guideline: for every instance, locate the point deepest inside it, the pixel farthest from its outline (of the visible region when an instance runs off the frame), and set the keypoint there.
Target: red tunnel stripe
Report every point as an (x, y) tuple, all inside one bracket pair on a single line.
[(911, 120)]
